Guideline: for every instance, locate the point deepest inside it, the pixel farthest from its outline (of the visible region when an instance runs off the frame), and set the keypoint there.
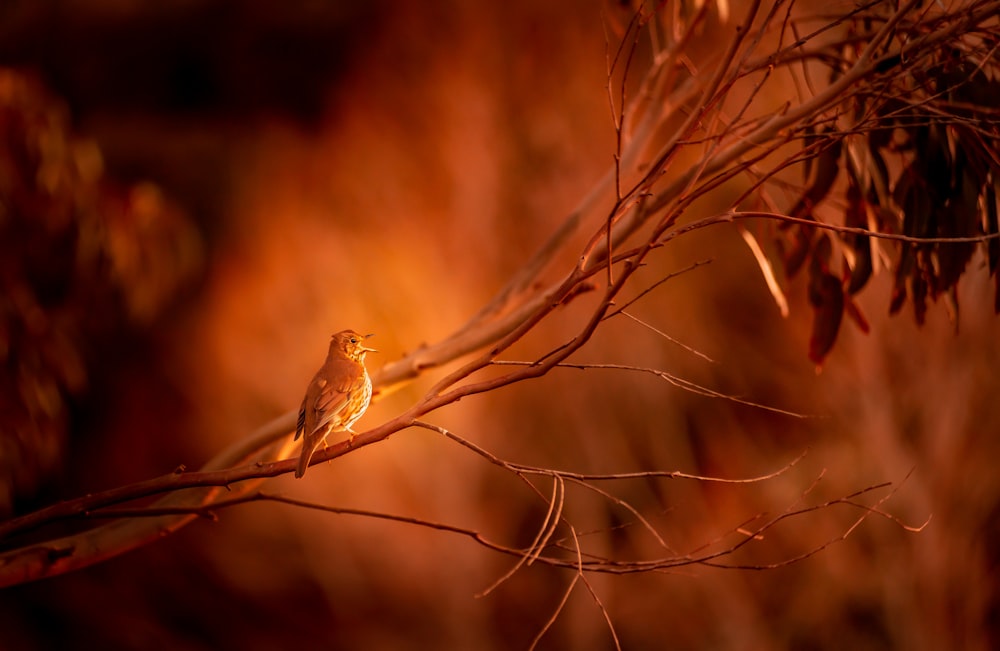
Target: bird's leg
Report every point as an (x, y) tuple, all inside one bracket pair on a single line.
[(325, 446)]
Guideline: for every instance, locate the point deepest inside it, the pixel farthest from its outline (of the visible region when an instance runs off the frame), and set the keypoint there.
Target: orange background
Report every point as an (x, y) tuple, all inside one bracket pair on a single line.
[(386, 169)]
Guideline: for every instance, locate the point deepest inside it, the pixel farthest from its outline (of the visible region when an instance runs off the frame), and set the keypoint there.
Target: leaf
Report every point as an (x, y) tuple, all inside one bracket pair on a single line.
[(766, 270), (933, 158), (960, 218), (996, 295), (898, 296), (992, 225), (951, 305), (826, 295), (878, 191), (800, 251), (965, 83), (919, 287), (856, 216), (821, 256), (862, 269), (905, 196), (827, 169), (854, 312), (827, 298)]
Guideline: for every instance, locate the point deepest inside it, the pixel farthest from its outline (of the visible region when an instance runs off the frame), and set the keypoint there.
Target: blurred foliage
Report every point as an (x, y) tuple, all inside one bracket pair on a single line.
[(916, 146), (81, 259)]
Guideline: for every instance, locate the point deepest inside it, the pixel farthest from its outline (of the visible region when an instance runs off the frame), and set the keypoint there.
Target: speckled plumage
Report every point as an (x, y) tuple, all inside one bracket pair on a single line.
[(336, 397)]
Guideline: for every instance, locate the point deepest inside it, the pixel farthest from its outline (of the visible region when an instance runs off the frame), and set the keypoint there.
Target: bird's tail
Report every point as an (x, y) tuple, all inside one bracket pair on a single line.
[(308, 447)]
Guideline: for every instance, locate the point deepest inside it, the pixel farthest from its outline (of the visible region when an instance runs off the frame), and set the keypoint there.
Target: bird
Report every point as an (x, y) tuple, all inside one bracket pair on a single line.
[(336, 397)]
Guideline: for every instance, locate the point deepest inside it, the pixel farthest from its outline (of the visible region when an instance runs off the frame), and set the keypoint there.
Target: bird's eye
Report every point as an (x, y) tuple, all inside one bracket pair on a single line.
[(354, 340)]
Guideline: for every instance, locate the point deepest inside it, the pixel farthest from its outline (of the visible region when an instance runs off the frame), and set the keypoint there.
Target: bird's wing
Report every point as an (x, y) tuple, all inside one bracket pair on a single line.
[(301, 425), (328, 405), (331, 396), (330, 400)]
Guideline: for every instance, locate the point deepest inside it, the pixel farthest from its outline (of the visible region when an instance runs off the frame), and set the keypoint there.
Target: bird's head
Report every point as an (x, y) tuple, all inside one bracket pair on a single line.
[(351, 345)]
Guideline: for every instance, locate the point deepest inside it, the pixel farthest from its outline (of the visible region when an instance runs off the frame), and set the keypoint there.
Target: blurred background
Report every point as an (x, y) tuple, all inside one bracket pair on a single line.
[(196, 194)]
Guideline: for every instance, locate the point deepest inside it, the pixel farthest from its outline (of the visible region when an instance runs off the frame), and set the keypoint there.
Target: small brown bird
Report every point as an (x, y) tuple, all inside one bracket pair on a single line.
[(337, 396)]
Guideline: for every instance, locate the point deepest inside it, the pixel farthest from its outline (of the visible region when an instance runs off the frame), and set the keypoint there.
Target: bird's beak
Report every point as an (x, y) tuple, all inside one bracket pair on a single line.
[(369, 350)]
